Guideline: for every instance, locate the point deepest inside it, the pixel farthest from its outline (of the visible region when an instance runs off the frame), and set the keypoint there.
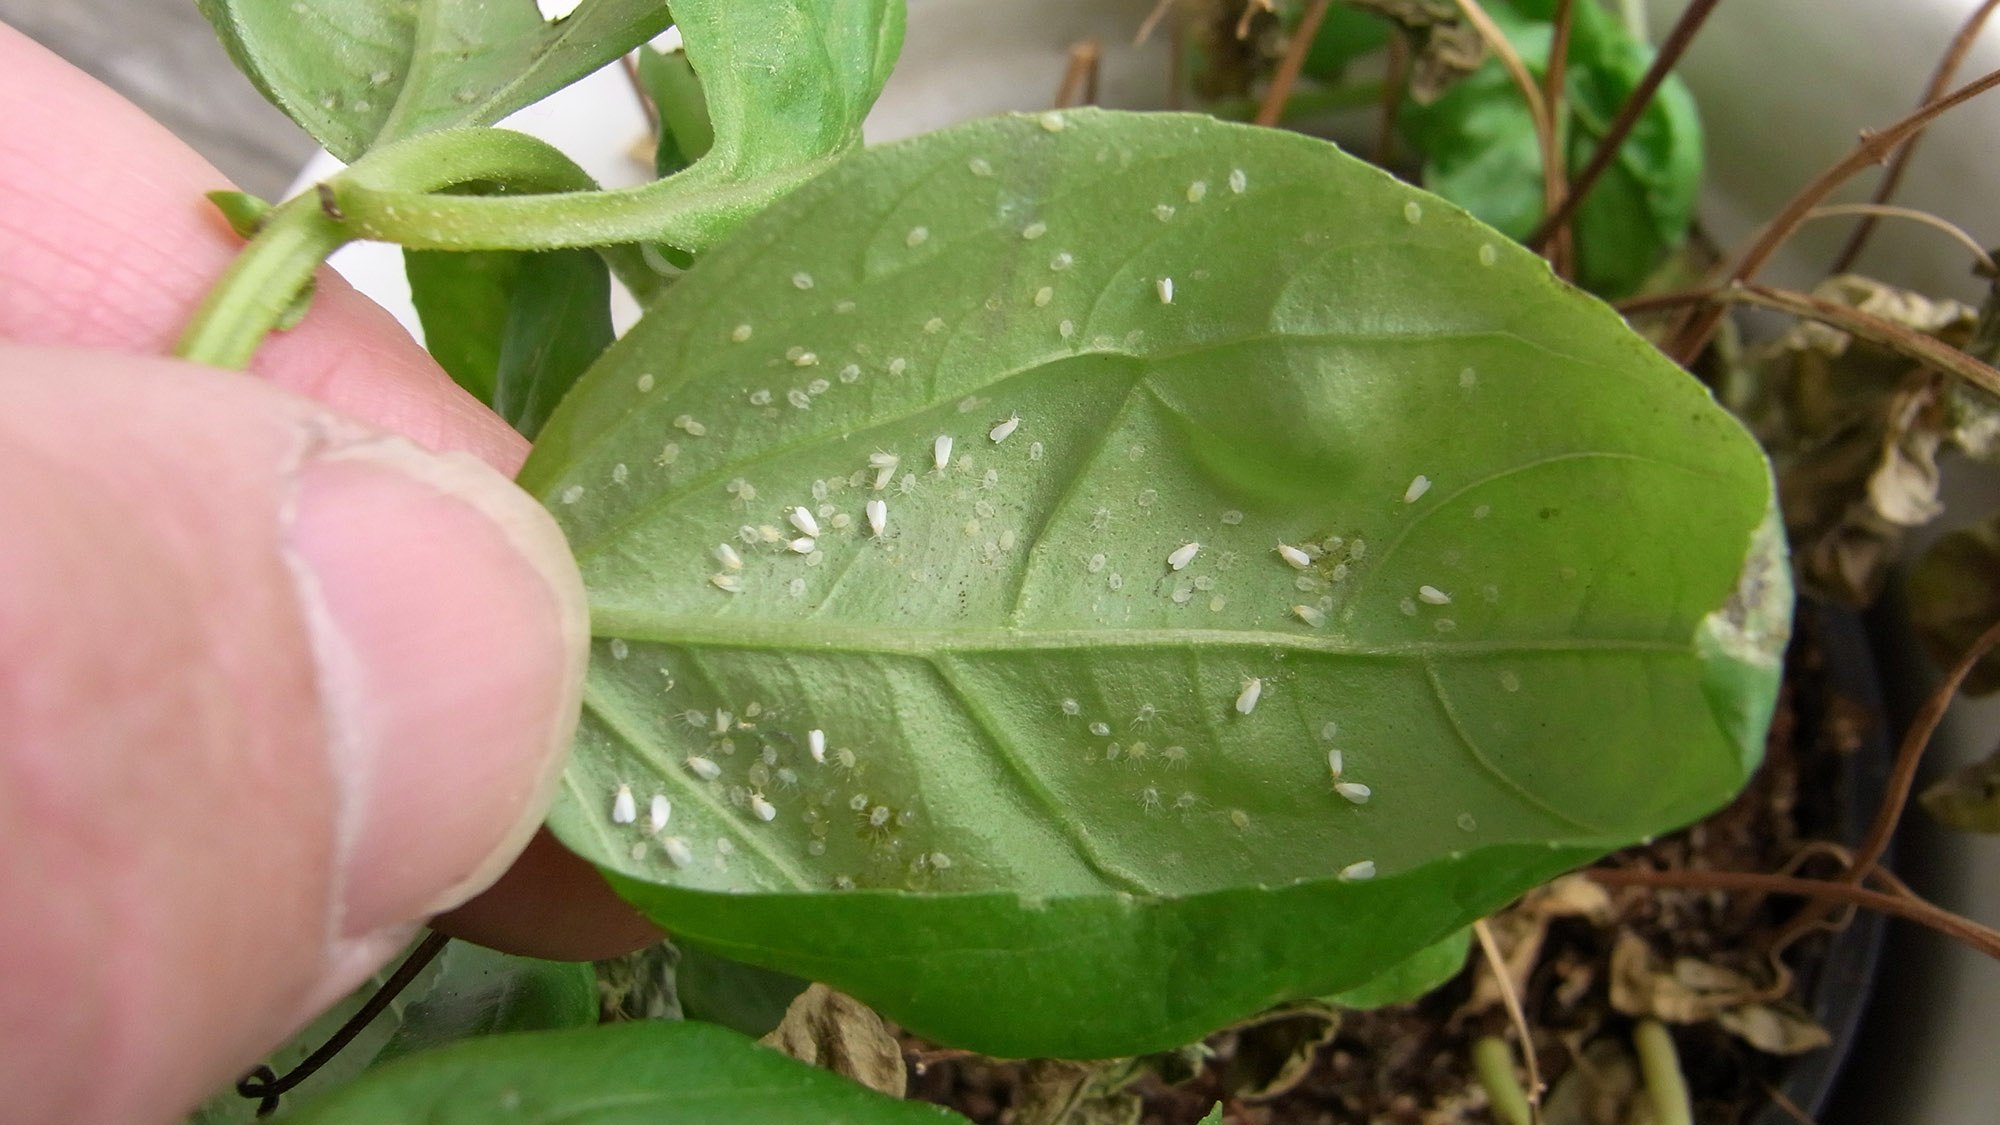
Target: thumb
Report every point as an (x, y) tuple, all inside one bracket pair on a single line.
[(274, 687)]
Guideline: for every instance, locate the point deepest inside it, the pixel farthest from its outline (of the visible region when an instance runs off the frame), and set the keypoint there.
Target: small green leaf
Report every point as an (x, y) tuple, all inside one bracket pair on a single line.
[(1480, 152), (480, 992), (515, 329), (361, 73), (685, 132), (1415, 975), (1213, 1116), (462, 299), (747, 998), (659, 1073), (1066, 798), (242, 211)]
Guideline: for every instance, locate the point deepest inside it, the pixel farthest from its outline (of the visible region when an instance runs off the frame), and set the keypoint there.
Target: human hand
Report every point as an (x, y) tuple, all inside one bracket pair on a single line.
[(275, 685)]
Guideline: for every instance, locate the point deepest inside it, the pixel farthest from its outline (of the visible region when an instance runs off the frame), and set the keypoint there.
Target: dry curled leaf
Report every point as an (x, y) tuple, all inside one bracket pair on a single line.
[(1274, 1052), (1854, 431), (1520, 929), (1778, 1029), (1446, 47), (1694, 991), (1968, 800), (836, 1032), (1954, 595)]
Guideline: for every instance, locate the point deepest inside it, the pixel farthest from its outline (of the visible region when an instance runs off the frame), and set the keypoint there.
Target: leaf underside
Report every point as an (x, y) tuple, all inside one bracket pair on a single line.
[(1050, 819), (362, 73)]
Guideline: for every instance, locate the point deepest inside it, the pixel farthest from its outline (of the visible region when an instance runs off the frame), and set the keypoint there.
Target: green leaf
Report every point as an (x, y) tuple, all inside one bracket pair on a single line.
[(787, 84), (1213, 1116), (515, 329), (1422, 971), (1063, 833), (659, 1073), (685, 132), (361, 73), (1480, 152), (480, 992), (462, 301), (739, 996)]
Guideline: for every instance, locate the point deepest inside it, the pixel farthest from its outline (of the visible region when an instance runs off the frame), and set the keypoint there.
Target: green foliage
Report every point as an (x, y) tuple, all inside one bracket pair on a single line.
[(513, 328), (996, 872), (659, 1073), (1422, 971), (743, 997), (361, 73), (479, 992), (680, 106), (1480, 152)]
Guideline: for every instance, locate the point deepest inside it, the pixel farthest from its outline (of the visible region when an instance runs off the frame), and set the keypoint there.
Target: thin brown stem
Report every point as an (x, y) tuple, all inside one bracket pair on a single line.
[(1511, 1000), (1079, 80), (1289, 66), (1874, 147), (1892, 177), (1151, 22), (1394, 81), (1554, 176), (1924, 350), (1557, 71), (1876, 211), (1670, 53), (1915, 909)]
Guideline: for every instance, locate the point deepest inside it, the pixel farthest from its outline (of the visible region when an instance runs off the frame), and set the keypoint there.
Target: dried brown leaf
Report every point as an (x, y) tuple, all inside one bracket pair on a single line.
[(1954, 595), (1968, 800), (836, 1032), (1778, 1029), (1446, 47)]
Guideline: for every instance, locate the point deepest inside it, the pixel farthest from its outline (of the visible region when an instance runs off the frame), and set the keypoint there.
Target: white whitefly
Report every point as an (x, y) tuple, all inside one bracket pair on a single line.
[(765, 811), (1431, 595), (803, 545), (624, 810), (878, 517), (1355, 872), (1165, 288), (1246, 700), (678, 852), (727, 556), (1418, 487), (1294, 556), (802, 518), (941, 452), (727, 583), (816, 745), (1335, 763), (1354, 791), (661, 810), (1310, 615), (1005, 430), (1182, 555), (704, 768)]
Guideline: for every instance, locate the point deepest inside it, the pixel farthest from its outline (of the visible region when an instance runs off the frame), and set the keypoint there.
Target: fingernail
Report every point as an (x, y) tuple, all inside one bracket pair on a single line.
[(450, 632)]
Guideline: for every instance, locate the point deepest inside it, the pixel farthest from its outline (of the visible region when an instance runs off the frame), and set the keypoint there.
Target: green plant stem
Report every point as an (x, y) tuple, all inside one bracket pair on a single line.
[(1666, 1089), (1493, 1062), (683, 210), (266, 278)]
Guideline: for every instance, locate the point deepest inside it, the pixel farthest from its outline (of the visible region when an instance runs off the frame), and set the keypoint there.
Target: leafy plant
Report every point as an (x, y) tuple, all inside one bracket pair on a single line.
[(1070, 581)]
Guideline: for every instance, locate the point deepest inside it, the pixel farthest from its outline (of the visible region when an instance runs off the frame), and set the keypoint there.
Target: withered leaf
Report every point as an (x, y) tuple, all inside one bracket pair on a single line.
[(1968, 800), (836, 1032)]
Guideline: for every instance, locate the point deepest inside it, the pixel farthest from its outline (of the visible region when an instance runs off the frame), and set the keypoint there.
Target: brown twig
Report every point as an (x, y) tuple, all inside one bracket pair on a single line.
[(1394, 80), (1079, 80), (1915, 909), (1512, 1001), (1892, 177), (1876, 211), (1670, 52), (1874, 147), (1557, 70), (1151, 22), (1904, 341), (1555, 177), (1289, 66)]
